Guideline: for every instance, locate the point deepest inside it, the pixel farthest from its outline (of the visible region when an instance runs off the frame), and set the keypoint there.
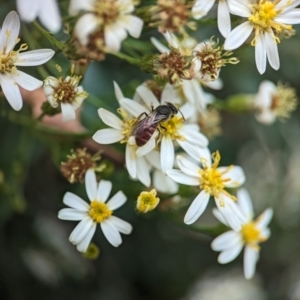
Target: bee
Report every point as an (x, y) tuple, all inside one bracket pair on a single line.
[(144, 128)]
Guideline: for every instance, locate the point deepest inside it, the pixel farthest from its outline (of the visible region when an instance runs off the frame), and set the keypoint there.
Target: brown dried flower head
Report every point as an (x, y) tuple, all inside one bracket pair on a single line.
[(79, 161), (172, 15), (174, 66), (212, 57), (210, 123)]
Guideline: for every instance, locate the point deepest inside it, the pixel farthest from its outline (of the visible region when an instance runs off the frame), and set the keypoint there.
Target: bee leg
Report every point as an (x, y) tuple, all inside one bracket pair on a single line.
[(142, 114)]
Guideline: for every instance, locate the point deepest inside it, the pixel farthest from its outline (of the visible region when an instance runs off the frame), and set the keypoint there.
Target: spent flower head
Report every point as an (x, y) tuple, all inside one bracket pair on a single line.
[(98, 211), (77, 164), (251, 234), (172, 16), (274, 101), (66, 93)]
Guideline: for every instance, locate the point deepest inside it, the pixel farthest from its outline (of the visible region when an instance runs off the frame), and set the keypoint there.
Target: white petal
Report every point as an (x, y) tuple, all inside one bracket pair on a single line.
[(147, 148), (118, 91), (260, 54), (77, 5), (245, 203), (9, 32), (81, 230), (50, 16), (111, 233), (167, 154), (226, 241), (188, 167), (266, 117), (219, 216), (182, 178), (250, 259), (108, 136), (133, 107), (117, 200), (147, 96), (91, 184), (28, 12), (164, 184), (272, 51), (143, 171), (103, 191), (224, 24), (85, 26), (264, 219), (159, 46), (71, 214), (196, 208), (289, 17), (235, 176), (34, 57), (263, 99), (201, 8), (230, 254), (133, 25), (121, 225), (84, 244), (110, 119), (193, 135), (27, 82), (113, 38), (11, 92), (130, 158), (240, 8), (75, 202), (68, 112), (238, 36)]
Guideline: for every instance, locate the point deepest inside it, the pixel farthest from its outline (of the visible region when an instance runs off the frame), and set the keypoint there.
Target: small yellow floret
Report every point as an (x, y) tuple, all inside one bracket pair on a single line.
[(147, 201), (99, 211), (92, 252), (170, 128), (251, 234)]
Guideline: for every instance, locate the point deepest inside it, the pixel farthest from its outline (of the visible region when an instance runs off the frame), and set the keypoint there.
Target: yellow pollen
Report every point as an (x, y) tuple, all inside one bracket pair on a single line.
[(8, 60), (251, 234), (107, 11), (212, 180), (263, 16), (171, 126), (99, 211), (147, 201), (128, 125)]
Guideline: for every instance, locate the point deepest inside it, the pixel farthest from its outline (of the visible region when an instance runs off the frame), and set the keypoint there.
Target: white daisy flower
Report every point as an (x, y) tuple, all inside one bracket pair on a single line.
[(174, 130), (212, 181), (201, 8), (113, 17), (97, 211), (120, 131), (10, 76), (272, 102), (46, 10), (251, 234), (66, 93), (268, 19)]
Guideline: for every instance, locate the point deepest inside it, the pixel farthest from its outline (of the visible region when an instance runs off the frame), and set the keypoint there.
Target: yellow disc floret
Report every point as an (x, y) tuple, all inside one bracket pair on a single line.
[(99, 211), (251, 234), (127, 126), (170, 128), (212, 180), (147, 201)]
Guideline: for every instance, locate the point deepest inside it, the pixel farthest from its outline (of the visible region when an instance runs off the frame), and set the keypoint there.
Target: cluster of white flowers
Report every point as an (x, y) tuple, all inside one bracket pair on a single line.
[(164, 115)]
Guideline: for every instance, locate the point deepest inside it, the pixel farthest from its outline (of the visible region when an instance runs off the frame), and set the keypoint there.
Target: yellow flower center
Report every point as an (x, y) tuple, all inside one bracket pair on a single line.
[(107, 11), (92, 252), (251, 235), (99, 211), (147, 201), (171, 126), (263, 16), (212, 180), (7, 60), (128, 125)]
